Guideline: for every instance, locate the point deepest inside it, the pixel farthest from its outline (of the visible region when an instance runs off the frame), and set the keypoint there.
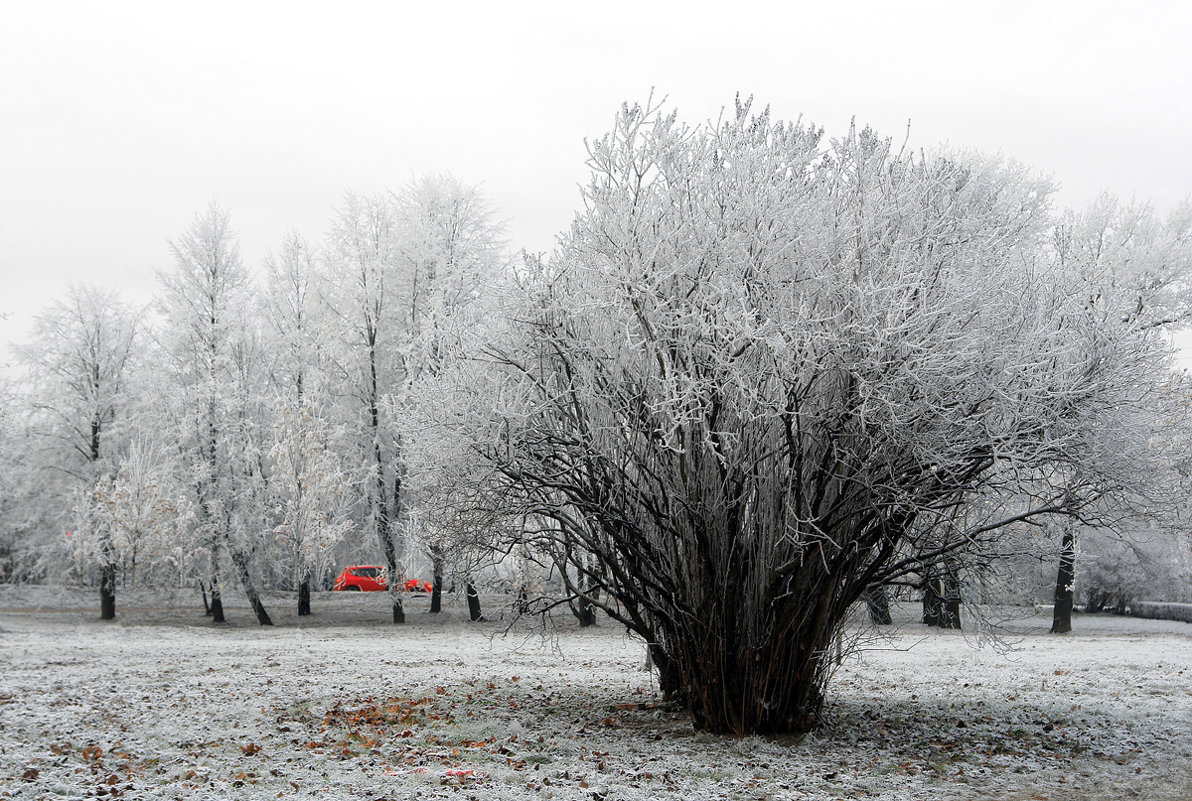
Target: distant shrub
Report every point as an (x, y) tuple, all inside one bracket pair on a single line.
[(1116, 568), (1162, 611)]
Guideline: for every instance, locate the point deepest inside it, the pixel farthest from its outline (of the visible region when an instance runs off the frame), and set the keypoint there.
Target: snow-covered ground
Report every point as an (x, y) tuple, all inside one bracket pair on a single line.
[(161, 704)]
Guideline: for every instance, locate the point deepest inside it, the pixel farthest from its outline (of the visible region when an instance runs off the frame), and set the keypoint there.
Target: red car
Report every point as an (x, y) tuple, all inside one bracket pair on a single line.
[(414, 585), (364, 578)]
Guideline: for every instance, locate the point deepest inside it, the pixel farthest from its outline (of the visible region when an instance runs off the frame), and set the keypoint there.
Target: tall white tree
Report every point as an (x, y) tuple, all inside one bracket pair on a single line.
[(78, 366), (211, 359), (1135, 271), (363, 288), (452, 249), (298, 378)]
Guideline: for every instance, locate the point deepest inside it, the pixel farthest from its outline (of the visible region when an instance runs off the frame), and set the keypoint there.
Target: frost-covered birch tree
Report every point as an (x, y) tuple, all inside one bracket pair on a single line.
[(764, 371), (209, 390), (452, 250), (78, 363), (363, 286), (406, 273), (298, 378), (310, 490), (1135, 271)]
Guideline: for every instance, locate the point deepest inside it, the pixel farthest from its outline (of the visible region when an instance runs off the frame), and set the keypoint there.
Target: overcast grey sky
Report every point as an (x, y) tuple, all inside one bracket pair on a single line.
[(120, 120)]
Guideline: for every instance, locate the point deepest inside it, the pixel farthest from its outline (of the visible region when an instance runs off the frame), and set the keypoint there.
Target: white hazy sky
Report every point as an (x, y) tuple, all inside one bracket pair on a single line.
[(119, 120)]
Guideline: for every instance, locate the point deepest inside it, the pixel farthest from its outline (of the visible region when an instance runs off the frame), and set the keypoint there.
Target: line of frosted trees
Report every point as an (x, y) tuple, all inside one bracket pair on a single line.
[(763, 378), (237, 430)]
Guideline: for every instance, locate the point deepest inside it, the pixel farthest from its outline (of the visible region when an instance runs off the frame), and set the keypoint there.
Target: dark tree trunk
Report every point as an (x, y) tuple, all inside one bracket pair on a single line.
[(206, 603), (436, 592), (436, 596), (217, 613), (950, 613), (941, 597), (933, 600), (1061, 615), (381, 500), (304, 595), (395, 576), (107, 592), (474, 603), (107, 572), (731, 689), (670, 680), (240, 560), (877, 601), (584, 612)]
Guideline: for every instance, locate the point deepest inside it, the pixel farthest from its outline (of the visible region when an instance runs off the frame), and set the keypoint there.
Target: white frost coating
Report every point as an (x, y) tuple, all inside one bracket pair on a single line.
[(1099, 714)]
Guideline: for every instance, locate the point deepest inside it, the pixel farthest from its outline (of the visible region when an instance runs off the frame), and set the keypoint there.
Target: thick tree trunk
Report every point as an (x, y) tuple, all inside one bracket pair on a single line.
[(436, 593), (107, 591), (877, 601), (933, 600), (587, 606), (941, 597), (304, 595), (217, 613), (1061, 615), (474, 603), (240, 560), (584, 612), (950, 613)]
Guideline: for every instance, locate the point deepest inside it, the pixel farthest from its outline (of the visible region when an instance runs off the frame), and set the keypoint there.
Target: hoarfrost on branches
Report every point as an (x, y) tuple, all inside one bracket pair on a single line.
[(764, 372)]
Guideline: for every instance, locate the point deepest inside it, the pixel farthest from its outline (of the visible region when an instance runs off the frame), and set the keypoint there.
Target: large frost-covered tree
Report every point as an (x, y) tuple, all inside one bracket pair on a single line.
[(763, 372)]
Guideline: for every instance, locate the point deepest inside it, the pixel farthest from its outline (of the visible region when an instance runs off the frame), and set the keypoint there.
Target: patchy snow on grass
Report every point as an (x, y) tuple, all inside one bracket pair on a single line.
[(161, 704)]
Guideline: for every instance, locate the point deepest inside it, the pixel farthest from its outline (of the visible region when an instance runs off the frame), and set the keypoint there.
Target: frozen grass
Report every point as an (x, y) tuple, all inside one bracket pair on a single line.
[(163, 705)]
